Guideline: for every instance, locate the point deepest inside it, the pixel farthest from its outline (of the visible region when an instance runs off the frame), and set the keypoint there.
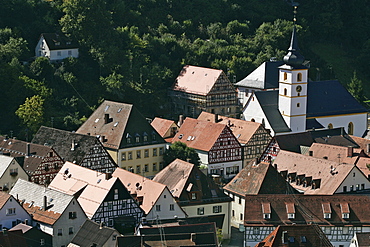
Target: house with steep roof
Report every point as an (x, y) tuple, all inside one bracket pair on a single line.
[(300, 104), (216, 145), (360, 239), (296, 235), (300, 142), (254, 179), (56, 46), (197, 194), (318, 176), (165, 128), (10, 171), (198, 89), (94, 234), (252, 136), (33, 235), (103, 198), (127, 136), (154, 198), (338, 216), (40, 162), (80, 149), (55, 212), (11, 212)]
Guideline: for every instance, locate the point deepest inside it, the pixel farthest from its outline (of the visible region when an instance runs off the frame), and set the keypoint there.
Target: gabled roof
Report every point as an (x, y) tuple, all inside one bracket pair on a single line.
[(52, 40), (92, 186), (269, 104), (330, 173), (18, 148), (162, 125), (306, 235), (263, 77), (363, 143), (196, 80), (4, 197), (197, 134), (5, 161), (25, 228), (149, 190), (258, 178), (242, 130), (308, 209), (336, 153), (70, 146), (363, 239), (182, 177), (327, 98), (114, 121), (91, 232), (32, 197)]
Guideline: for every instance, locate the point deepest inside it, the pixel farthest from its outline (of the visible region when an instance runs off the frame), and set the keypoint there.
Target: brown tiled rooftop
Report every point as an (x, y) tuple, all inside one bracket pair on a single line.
[(162, 125)]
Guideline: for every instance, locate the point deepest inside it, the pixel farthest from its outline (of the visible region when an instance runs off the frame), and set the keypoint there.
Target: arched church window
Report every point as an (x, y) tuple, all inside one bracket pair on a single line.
[(330, 126), (285, 91), (350, 128), (299, 77), (285, 76)]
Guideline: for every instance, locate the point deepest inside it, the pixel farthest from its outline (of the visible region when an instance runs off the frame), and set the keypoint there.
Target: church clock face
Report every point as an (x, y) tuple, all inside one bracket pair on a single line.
[(298, 89)]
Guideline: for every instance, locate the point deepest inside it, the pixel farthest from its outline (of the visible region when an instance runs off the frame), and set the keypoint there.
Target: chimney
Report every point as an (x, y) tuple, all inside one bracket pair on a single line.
[(108, 176), (275, 165), (181, 120), (350, 152), (106, 118), (45, 203), (216, 118), (28, 149), (102, 139), (310, 153)]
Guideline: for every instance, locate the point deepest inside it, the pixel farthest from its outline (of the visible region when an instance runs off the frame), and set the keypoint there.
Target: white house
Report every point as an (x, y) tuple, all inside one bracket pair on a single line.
[(56, 213), (299, 104), (10, 171), (11, 212), (55, 47)]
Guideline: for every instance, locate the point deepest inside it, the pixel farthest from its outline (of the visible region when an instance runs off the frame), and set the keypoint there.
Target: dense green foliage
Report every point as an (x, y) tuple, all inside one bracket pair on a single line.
[(179, 150), (131, 51)]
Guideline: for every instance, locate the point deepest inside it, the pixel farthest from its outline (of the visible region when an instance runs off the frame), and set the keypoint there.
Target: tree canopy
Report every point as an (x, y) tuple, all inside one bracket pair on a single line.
[(179, 150)]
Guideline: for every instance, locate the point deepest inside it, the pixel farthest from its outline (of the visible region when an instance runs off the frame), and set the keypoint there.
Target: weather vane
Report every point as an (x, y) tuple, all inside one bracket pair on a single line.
[(295, 6)]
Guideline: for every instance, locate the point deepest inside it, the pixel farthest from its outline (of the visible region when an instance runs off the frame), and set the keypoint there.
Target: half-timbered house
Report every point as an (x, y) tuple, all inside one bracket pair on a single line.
[(198, 195), (339, 216), (215, 144), (40, 162), (103, 198), (127, 136), (253, 137), (80, 149), (198, 89)]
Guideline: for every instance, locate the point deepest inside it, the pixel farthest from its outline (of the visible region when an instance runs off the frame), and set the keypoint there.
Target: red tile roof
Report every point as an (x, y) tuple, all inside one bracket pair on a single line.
[(162, 125), (4, 197), (48, 217), (307, 209), (336, 153), (197, 134), (244, 129), (196, 80)]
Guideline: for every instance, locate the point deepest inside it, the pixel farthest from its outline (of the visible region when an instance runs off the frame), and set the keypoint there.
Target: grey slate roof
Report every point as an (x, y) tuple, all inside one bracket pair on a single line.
[(91, 232), (62, 140), (269, 103), (64, 42), (327, 98), (264, 77), (31, 192)]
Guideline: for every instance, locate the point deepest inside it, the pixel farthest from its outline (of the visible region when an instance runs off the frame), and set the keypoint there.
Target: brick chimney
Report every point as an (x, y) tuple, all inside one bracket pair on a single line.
[(350, 152), (106, 118)]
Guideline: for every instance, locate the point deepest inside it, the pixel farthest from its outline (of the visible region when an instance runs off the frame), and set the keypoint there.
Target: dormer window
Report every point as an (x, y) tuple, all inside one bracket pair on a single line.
[(266, 210), (344, 208), (326, 210), (290, 209), (291, 216), (57, 43)]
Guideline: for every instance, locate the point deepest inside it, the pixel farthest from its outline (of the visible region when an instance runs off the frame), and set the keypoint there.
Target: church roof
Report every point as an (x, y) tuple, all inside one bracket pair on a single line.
[(323, 100), (269, 104), (264, 77)]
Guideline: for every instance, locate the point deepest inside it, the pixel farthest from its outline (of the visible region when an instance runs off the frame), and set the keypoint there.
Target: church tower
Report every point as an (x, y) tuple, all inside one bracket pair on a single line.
[(293, 78)]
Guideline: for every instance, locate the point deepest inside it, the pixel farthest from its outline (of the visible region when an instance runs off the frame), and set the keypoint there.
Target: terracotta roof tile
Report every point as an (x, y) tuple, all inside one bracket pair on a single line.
[(4, 197), (162, 125), (330, 173), (197, 134), (341, 154), (196, 80), (243, 130)]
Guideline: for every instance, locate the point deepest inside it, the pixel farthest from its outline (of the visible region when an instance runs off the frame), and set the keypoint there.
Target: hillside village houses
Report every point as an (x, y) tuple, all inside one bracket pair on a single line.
[(127, 136), (56, 47), (10, 171)]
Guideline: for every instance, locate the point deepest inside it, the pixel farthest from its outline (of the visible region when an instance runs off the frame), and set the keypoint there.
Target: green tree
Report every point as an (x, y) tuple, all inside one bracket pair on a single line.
[(179, 150), (32, 112), (355, 88)]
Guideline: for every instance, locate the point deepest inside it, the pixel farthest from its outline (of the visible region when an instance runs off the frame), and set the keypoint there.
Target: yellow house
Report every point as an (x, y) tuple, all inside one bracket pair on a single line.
[(128, 137), (10, 171)]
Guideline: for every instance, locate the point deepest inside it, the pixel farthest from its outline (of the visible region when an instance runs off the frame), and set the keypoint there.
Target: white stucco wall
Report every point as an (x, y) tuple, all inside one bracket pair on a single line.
[(224, 165), (20, 214), (6, 180), (355, 179), (165, 213)]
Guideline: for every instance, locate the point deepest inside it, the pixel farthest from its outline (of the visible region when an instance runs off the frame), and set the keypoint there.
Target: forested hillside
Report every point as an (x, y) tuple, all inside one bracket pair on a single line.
[(132, 50)]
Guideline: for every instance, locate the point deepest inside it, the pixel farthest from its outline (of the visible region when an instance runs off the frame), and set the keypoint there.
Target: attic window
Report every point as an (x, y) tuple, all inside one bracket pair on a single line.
[(68, 42), (119, 110), (115, 125), (57, 43), (189, 138), (96, 120), (180, 136), (106, 108), (99, 180)]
